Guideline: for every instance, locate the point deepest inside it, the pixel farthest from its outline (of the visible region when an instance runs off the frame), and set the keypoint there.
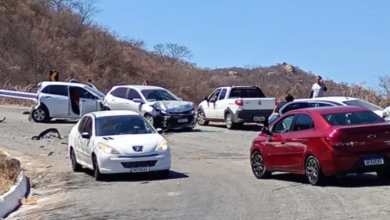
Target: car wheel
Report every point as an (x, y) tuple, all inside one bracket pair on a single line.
[(96, 172), (202, 118), (164, 174), (230, 121), (258, 166), (150, 119), (313, 171), (40, 115), (76, 167), (383, 175)]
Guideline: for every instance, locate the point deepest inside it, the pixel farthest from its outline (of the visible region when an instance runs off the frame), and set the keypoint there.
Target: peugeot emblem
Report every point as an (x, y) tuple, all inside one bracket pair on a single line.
[(137, 148), (371, 136)]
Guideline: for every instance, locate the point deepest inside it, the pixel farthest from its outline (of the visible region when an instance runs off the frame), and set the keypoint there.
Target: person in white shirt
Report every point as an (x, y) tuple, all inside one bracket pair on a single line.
[(318, 89)]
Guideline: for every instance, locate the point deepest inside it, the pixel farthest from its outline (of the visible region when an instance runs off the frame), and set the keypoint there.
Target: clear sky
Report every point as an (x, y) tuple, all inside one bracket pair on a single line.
[(344, 40)]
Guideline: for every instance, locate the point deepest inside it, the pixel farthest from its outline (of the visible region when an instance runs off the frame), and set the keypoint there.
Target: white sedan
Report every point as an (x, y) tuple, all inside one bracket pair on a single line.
[(117, 141)]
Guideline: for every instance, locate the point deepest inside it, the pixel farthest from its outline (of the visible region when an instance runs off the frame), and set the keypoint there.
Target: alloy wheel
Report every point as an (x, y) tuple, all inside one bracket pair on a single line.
[(312, 170), (39, 114)]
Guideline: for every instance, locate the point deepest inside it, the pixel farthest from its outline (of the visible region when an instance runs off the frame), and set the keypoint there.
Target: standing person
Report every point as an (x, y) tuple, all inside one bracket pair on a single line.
[(318, 89), (90, 84), (275, 114), (145, 83)]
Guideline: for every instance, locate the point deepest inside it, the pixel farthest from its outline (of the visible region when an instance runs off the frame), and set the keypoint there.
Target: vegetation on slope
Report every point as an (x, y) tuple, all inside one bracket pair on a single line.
[(40, 35)]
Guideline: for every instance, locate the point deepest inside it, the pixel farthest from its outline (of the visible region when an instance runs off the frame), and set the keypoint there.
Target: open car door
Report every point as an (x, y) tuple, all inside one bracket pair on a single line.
[(88, 105)]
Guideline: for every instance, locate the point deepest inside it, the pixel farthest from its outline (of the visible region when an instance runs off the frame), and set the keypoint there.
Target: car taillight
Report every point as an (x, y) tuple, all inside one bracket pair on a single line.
[(239, 102), (332, 139)]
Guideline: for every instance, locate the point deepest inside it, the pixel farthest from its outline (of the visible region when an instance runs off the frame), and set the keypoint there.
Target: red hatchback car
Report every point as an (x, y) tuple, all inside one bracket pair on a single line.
[(320, 142)]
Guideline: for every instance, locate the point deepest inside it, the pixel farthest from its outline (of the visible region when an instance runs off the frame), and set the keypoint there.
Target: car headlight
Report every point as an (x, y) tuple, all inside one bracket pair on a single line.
[(107, 149), (162, 146)]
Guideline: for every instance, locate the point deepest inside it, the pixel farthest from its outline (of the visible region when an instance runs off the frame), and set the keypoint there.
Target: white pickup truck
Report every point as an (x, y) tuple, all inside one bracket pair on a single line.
[(235, 105)]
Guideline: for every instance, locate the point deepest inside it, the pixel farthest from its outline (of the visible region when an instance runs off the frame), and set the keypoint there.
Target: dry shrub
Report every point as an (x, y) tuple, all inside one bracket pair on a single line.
[(9, 172), (40, 35)]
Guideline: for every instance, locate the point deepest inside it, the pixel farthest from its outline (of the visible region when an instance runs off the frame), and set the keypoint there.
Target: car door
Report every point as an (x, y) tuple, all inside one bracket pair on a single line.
[(276, 143), (297, 140), (56, 99), (209, 108), (118, 99), (78, 140), (130, 104), (221, 105), (88, 102), (87, 143)]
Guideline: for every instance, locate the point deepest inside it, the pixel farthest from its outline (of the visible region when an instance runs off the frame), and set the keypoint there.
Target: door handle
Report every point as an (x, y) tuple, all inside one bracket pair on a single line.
[(83, 101), (283, 142), (48, 97), (112, 99)]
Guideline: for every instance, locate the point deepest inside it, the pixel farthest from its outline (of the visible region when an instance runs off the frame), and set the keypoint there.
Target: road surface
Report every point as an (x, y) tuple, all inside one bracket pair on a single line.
[(211, 179)]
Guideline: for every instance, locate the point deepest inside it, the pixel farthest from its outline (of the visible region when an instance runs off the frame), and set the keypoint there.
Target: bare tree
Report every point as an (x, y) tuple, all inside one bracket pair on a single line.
[(85, 8), (384, 86), (172, 51)]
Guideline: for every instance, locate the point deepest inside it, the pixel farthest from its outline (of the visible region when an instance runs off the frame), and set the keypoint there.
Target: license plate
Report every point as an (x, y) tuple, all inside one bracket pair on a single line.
[(182, 120), (374, 161), (261, 118), (139, 169)]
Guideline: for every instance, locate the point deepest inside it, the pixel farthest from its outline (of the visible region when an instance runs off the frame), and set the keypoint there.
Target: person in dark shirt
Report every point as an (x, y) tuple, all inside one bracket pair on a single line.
[(275, 115)]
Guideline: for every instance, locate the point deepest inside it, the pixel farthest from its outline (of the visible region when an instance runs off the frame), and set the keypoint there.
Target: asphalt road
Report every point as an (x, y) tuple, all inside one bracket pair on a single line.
[(210, 179)]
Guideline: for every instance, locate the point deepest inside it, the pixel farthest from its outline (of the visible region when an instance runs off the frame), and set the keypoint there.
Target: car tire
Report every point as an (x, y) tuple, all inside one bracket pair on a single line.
[(314, 172), (383, 175), (40, 115), (201, 118), (96, 172), (164, 174), (258, 166), (76, 167), (229, 119)]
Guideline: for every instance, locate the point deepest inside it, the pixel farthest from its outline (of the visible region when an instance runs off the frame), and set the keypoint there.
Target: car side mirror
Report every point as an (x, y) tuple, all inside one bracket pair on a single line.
[(205, 98), (266, 131), (85, 135), (159, 130), (138, 100)]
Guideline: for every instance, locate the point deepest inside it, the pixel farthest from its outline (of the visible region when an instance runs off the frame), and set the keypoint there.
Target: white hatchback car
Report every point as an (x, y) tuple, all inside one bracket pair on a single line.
[(109, 142)]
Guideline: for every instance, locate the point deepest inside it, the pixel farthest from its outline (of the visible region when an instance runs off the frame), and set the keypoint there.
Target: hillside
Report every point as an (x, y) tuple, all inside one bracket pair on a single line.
[(40, 35)]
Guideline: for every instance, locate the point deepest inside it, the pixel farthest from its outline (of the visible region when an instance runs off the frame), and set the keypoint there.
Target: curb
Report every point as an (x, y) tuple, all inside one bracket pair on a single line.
[(11, 199)]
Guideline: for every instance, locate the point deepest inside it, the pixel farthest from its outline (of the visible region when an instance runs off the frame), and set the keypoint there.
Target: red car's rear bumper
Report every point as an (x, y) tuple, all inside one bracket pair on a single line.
[(344, 164)]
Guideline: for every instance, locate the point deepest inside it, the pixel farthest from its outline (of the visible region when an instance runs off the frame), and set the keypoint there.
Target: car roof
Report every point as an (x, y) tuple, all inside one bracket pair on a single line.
[(49, 83), (137, 87), (329, 110), (100, 114), (328, 98)]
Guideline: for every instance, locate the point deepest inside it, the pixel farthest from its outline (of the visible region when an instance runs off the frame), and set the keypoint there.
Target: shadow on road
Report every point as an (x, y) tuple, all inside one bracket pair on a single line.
[(360, 180), (139, 177), (60, 121), (245, 127)]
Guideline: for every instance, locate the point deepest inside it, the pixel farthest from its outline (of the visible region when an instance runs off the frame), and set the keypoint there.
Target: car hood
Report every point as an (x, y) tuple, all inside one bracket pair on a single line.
[(125, 143), (174, 105)]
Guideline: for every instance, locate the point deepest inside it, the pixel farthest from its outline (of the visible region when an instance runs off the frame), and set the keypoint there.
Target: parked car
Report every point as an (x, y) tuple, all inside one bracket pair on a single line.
[(322, 142), (64, 100), (110, 142), (158, 105), (330, 101), (235, 105)]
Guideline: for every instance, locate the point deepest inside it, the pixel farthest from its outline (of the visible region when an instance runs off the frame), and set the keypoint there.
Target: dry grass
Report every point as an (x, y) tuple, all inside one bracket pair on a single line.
[(9, 172), (40, 35)]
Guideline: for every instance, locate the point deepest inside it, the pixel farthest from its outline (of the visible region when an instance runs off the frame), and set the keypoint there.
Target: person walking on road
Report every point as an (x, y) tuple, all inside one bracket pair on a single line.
[(275, 114), (318, 89)]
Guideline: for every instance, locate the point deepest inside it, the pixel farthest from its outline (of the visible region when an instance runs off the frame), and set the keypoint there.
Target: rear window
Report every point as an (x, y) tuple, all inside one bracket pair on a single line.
[(250, 92), (352, 118), (364, 104)]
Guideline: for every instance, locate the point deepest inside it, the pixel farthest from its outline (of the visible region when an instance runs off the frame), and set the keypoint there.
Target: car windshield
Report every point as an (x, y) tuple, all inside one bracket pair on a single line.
[(94, 92), (158, 95), (246, 92), (122, 125), (363, 104), (352, 118)]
